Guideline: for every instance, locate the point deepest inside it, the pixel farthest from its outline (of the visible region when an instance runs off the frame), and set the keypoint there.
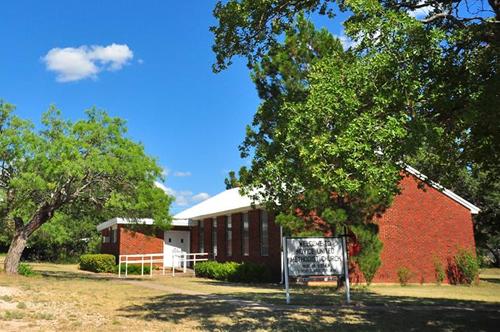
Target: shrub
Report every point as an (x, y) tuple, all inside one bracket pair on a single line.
[(133, 269), (98, 263), (232, 271), (25, 270), (404, 275), (251, 272), (368, 258), (439, 271), (467, 266)]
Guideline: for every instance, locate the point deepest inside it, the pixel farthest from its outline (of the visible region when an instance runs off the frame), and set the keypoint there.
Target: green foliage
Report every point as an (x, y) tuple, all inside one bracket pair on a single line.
[(368, 258), (404, 275), (231, 181), (468, 266), (439, 272), (133, 269), (417, 89), (25, 270), (64, 240), (72, 169), (216, 270), (98, 263), (450, 56), (233, 271)]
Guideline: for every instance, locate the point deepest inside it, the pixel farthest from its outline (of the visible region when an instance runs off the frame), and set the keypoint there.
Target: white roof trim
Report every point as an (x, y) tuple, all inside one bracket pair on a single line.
[(227, 202), (145, 221), (231, 201), (473, 209)]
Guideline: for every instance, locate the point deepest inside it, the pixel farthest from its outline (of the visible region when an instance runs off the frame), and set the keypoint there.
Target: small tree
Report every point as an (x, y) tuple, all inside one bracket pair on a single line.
[(232, 180), (368, 258), (439, 272), (468, 266), (72, 168), (404, 275)]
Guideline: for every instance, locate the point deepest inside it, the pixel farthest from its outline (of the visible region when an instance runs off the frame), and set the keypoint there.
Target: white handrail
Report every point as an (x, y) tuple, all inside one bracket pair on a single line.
[(185, 259), (160, 258)]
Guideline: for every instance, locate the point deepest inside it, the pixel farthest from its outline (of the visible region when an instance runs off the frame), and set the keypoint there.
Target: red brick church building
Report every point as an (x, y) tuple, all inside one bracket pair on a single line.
[(423, 224)]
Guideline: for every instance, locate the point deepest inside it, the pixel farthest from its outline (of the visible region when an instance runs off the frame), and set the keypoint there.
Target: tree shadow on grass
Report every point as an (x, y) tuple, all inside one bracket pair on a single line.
[(213, 312), (80, 275), (492, 280), (329, 295)]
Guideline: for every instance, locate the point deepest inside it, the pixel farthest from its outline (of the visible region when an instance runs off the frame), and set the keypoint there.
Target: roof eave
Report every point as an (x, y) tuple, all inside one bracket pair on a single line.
[(462, 201)]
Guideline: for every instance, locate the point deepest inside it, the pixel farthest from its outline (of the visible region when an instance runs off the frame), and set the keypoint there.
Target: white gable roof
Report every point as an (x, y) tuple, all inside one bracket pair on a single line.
[(144, 221), (227, 202), (231, 201)]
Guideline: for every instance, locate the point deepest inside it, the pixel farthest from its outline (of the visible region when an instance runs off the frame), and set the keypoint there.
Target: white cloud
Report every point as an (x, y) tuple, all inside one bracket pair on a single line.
[(346, 41), (421, 12), (182, 174), (73, 64), (201, 197), (184, 197), (166, 189)]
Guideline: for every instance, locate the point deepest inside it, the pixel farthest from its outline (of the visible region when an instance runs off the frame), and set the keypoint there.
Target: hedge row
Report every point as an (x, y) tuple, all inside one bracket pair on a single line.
[(133, 269), (107, 263), (232, 271), (98, 263)]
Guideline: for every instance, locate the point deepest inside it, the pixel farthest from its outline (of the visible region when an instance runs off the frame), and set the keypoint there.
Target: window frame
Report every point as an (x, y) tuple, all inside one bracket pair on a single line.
[(214, 236), (264, 240), (245, 234), (229, 236)]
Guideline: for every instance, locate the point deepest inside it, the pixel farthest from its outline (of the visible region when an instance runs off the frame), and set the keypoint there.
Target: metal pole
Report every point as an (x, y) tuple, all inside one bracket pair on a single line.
[(151, 267), (346, 269), (173, 265), (163, 258), (142, 266), (126, 266), (285, 259), (185, 262), (119, 266), (282, 261)]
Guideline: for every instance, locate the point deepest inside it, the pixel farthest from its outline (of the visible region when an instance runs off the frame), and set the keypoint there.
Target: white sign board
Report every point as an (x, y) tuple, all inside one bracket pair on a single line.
[(314, 256)]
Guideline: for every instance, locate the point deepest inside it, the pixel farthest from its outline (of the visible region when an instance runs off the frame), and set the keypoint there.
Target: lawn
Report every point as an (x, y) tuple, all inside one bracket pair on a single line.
[(61, 297)]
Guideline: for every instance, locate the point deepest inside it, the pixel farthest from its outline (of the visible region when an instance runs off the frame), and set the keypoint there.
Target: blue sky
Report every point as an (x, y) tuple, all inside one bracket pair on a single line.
[(151, 65)]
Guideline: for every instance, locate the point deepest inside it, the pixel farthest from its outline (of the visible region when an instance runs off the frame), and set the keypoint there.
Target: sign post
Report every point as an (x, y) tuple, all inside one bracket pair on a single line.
[(285, 262), (346, 271), (315, 256)]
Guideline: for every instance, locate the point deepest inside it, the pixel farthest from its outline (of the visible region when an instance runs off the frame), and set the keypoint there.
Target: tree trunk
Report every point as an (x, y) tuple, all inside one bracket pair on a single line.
[(23, 232), (15, 251)]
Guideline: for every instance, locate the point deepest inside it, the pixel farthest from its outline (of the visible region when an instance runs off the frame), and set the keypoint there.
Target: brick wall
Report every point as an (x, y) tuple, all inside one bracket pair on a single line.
[(195, 239), (237, 221), (140, 240), (421, 225), (273, 260)]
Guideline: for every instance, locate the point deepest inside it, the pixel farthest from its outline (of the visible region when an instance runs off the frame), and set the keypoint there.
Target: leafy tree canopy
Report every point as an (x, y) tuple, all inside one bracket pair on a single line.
[(335, 121), (232, 180), (72, 168), (451, 53)]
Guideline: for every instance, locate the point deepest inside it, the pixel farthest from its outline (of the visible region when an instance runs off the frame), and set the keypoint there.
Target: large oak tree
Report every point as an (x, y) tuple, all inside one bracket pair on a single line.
[(419, 84)]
